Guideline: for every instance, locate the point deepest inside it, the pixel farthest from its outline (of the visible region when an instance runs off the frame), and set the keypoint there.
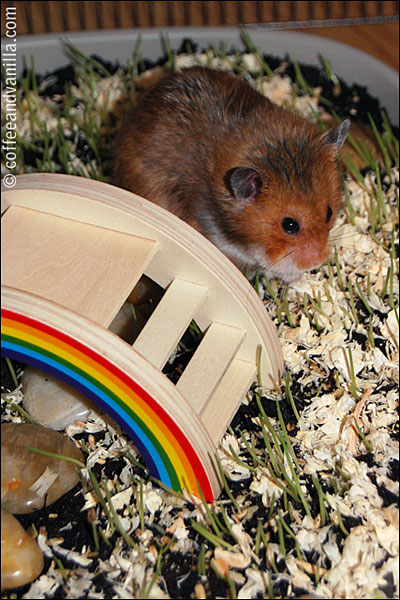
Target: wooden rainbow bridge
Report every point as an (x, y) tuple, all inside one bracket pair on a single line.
[(73, 249)]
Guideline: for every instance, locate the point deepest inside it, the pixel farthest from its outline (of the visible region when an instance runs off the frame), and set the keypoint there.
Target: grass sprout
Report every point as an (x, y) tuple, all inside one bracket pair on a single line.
[(201, 561), (327, 66), (285, 526), (12, 371), (225, 484), (362, 436), (61, 568), (289, 396), (215, 540), (252, 49), (27, 418), (75, 461), (363, 298), (348, 357)]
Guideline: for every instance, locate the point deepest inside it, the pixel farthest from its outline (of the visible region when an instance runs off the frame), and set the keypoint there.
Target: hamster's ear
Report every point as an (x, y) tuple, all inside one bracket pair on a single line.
[(245, 183), (336, 137)]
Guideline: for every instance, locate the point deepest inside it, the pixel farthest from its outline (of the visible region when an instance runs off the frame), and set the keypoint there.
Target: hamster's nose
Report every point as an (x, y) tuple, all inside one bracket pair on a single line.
[(310, 257)]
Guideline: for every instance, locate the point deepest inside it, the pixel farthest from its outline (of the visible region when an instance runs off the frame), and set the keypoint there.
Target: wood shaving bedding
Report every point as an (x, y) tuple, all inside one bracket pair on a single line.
[(342, 361)]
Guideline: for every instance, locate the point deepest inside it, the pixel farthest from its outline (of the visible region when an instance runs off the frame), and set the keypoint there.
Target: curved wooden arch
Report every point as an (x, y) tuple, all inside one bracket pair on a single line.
[(72, 250)]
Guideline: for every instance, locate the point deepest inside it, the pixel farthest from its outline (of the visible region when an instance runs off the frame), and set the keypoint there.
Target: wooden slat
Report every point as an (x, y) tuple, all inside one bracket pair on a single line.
[(169, 321), (229, 393), (86, 268), (209, 363)]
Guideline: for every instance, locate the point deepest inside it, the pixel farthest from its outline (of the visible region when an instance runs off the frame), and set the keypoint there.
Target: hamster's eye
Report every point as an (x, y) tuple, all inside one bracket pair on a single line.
[(290, 225), (328, 214)]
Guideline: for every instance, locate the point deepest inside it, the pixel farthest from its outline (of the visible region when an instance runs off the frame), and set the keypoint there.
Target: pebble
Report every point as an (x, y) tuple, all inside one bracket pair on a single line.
[(21, 557), (51, 402), (30, 480)]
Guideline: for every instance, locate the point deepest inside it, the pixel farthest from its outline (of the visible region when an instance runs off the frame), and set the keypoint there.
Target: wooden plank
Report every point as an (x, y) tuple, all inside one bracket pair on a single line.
[(233, 386), (169, 321), (88, 269), (209, 363)]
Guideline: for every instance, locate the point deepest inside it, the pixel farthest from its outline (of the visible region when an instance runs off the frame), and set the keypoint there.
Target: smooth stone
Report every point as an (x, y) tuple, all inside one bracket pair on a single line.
[(21, 557), (51, 402), (30, 480)]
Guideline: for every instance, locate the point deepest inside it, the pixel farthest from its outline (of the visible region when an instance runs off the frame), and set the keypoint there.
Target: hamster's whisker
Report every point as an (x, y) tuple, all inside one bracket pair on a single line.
[(339, 236), (282, 258)]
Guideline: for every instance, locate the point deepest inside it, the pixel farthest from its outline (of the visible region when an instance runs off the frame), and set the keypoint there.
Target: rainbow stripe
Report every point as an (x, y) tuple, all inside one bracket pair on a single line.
[(167, 452)]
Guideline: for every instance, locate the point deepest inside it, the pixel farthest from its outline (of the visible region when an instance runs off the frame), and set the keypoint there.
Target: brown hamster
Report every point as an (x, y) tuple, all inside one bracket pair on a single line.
[(260, 182)]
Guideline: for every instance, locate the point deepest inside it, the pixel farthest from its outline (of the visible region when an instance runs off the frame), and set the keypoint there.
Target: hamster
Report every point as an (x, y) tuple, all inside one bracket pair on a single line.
[(259, 181)]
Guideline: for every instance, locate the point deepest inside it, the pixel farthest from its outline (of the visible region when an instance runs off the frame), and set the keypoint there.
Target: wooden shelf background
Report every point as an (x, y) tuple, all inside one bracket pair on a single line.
[(379, 39)]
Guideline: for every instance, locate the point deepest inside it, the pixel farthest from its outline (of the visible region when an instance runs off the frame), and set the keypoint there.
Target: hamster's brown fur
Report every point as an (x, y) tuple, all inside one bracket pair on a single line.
[(260, 182)]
